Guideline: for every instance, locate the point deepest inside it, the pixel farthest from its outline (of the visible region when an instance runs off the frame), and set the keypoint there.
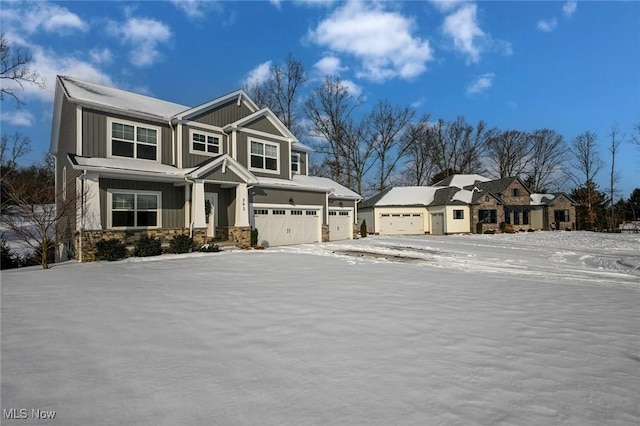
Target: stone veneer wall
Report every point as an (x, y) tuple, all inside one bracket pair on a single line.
[(325, 233)]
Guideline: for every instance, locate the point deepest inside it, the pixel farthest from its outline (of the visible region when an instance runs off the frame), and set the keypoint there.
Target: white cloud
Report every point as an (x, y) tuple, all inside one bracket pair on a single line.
[(482, 83), (17, 118), (381, 40), (329, 65), (569, 8), (446, 5), (548, 25), (101, 56), (257, 75), (354, 88), (30, 17), (143, 35), (196, 9), (462, 27)]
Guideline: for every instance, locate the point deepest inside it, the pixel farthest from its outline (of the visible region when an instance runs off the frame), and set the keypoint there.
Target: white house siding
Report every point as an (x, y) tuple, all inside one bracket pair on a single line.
[(455, 226)]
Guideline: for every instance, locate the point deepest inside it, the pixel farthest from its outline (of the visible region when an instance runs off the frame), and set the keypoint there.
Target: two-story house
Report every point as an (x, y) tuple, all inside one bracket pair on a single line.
[(131, 163)]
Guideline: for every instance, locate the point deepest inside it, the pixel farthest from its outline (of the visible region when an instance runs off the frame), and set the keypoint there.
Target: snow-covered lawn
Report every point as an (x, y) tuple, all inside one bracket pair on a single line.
[(527, 329)]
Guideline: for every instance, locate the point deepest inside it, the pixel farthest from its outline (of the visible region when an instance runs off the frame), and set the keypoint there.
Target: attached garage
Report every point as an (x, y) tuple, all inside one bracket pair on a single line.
[(340, 224), (284, 225), (401, 223)]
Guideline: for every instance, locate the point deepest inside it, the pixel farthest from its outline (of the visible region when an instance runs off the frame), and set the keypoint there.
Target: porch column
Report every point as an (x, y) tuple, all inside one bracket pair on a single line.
[(242, 205), (197, 202), (91, 220)]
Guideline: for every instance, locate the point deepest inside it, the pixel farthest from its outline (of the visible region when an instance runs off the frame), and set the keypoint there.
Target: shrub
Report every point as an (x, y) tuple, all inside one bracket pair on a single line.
[(8, 258), (363, 228), (210, 248), (503, 226), (181, 244), (530, 230), (110, 250), (254, 237), (147, 246), (479, 228)]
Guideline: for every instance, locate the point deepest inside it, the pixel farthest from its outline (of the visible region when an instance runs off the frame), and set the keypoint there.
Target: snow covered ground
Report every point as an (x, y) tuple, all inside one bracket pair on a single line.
[(526, 329)]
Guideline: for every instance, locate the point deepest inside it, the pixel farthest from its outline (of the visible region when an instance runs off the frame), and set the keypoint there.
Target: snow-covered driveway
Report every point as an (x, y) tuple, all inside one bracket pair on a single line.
[(525, 329)]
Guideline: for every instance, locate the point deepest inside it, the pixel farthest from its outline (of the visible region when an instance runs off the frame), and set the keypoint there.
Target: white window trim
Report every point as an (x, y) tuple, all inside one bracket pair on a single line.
[(110, 193), (454, 214), (158, 130), (263, 170), (296, 155), (207, 134)]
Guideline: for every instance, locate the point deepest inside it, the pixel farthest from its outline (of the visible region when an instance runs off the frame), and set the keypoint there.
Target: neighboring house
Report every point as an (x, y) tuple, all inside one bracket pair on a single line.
[(459, 203), (137, 164)]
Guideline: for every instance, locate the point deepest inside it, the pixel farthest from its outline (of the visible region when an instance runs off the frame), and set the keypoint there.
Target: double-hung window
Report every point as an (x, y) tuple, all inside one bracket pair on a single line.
[(295, 162), (561, 215), (134, 209), (204, 143), (133, 140), (264, 156)]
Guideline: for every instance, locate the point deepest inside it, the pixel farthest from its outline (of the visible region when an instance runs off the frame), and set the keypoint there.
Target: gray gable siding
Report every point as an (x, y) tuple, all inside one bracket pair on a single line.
[(282, 196), (172, 199), (224, 114), (67, 145), (94, 134), (263, 124), (335, 202), (191, 160), (228, 176), (243, 154)]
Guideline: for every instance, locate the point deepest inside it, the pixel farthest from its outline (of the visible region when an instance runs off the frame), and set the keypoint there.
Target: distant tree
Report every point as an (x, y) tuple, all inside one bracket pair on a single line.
[(12, 148), (15, 71), (418, 139), (586, 164), (591, 214), (616, 138), (633, 205), (281, 92), (385, 127), (359, 154), (329, 109), (442, 175), (509, 152), (547, 157)]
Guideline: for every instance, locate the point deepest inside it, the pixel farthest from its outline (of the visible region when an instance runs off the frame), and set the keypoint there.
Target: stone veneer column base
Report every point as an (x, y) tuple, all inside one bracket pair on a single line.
[(325, 233)]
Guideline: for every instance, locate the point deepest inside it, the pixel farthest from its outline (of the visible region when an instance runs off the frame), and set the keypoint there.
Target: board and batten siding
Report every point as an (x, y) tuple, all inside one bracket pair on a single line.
[(263, 124), (223, 114), (260, 195), (190, 159), (172, 199), (226, 217), (335, 202), (95, 132), (283, 153), (67, 145)]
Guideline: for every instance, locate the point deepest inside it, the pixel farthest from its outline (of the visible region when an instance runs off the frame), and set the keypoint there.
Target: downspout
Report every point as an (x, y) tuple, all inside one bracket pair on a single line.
[(173, 141), (82, 194), (190, 206)]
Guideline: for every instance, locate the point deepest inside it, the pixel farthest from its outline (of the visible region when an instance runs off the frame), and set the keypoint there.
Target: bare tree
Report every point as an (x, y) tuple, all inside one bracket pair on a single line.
[(586, 164), (385, 126), (359, 155), (548, 154), (281, 91), (616, 139), (329, 109), (15, 71), (12, 148), (509, 152), (418, 138)]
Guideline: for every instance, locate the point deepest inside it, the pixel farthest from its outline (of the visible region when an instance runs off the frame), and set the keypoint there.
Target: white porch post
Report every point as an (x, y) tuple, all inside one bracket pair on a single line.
[(197, 201), (242, 205), (92, 217)]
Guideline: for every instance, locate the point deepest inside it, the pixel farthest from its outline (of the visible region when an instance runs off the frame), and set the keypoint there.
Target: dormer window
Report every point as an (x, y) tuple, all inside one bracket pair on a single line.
[(295, 162), (132, 140), (204, 143)]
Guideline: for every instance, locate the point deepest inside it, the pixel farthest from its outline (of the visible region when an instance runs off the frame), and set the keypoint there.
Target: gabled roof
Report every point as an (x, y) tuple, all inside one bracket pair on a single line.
[(547, 199), (336, 190), (449, 196), (460, 181), (239, 96), (403, 196), (97, 95), (498, 186), (266, 113), (223, 161)]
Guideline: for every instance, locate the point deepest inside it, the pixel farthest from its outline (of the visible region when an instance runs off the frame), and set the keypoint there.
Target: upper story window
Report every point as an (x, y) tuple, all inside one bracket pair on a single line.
[(132, 140), (295, 162), (204, 143), (516, 192), (264, 156)]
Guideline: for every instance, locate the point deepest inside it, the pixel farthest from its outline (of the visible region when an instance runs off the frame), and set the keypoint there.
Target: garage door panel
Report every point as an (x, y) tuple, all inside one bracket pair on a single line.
[(286, 226), (340, 225), (401, 223)]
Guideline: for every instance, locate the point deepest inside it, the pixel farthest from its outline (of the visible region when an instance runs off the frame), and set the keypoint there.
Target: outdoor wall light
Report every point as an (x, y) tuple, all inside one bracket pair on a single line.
[(291, 200)]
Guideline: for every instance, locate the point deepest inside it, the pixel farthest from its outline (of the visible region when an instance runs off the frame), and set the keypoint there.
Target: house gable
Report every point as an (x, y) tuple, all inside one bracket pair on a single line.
[(223, 169)]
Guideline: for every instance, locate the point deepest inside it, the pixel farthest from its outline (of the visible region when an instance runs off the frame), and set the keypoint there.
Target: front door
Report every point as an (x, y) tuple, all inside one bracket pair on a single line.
[(211, 212)]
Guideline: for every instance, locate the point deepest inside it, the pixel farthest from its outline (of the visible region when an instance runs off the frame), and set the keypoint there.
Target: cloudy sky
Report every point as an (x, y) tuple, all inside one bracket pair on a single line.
[(568, 66)]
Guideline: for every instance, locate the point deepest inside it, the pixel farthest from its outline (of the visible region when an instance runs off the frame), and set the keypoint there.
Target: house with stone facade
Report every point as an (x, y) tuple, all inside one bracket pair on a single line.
[(134, 165), (466, 204)]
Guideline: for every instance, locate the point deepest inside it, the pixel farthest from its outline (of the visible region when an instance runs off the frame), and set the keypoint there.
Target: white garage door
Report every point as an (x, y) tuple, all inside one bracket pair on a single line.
[(340, 224), (401, 223), (285, 226)]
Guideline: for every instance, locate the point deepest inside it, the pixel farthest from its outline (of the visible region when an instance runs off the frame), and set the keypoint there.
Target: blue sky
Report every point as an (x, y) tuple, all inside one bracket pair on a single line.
[(568, 66)]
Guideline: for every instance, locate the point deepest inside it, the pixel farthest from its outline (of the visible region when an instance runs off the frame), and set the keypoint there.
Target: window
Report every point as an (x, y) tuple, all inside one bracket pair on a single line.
[(487, 216), (264, 156), (295, 162), (134, 209), (486, 198), (133, 141), (332, 213), (507, 216), (516, 192), (516, 217), (296, 212), (458, 214), (312, 213), (525, 217), (260, 211), (344, 213), (561, 215), (279, 212), (204, 143)]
